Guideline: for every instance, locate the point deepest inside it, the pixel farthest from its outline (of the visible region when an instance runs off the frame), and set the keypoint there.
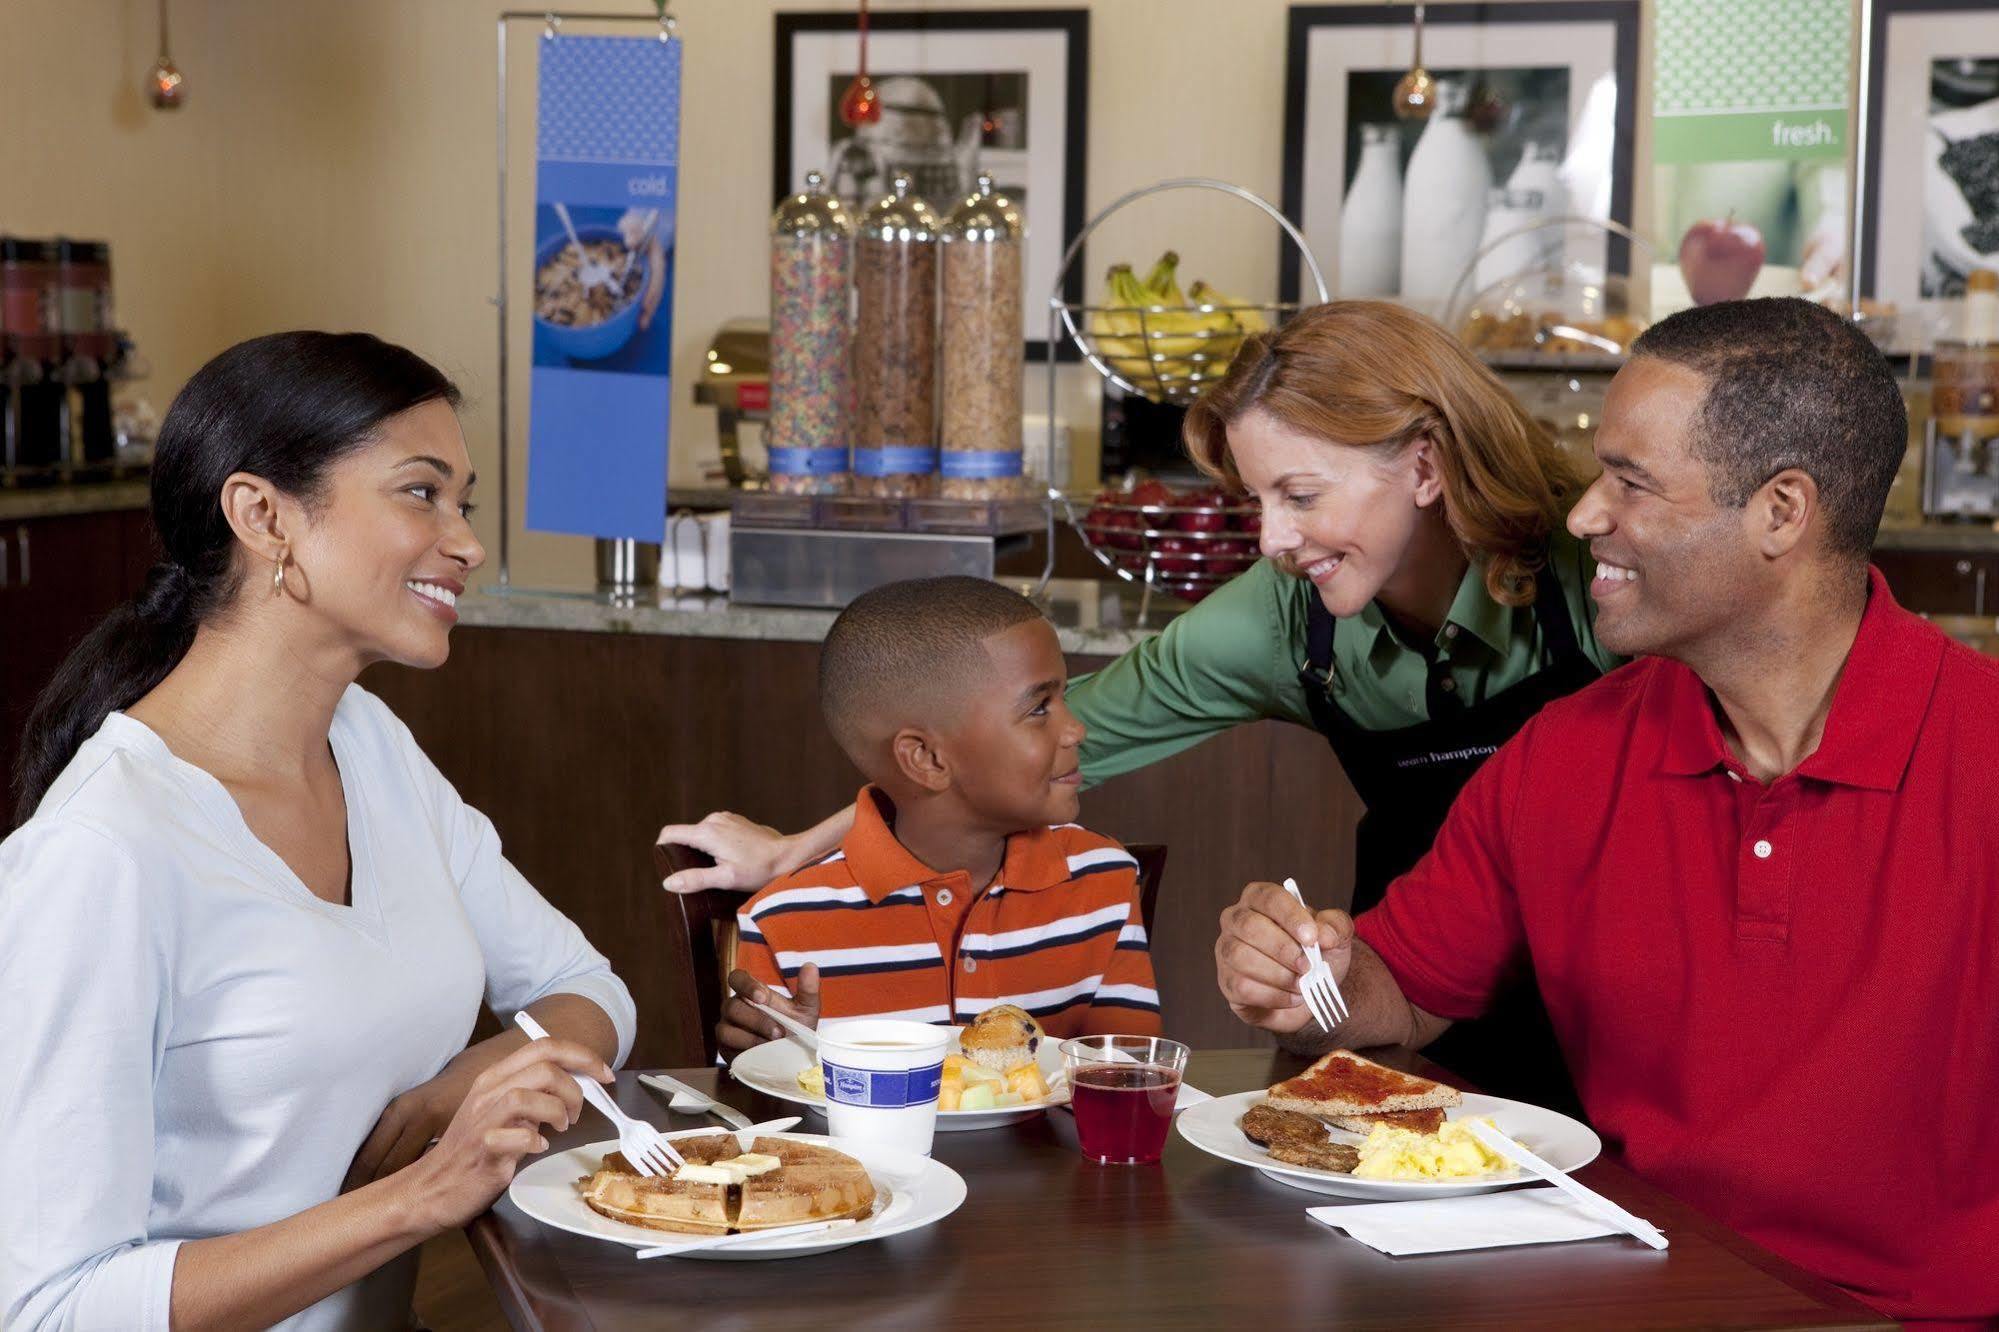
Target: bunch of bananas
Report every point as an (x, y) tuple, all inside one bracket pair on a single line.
[(1168, 343)]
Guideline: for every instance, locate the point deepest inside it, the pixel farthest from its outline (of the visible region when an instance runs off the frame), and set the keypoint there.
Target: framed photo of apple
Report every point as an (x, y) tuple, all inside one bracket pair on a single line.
[(1769, 227), (1931, 211), (1532, 122)]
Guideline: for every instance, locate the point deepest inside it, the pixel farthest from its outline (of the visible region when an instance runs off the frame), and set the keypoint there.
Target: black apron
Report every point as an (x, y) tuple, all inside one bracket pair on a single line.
[(1408, 778)]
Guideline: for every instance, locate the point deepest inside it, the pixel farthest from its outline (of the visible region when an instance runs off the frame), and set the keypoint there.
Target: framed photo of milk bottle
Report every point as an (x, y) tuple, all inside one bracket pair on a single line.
[(1528, 119)]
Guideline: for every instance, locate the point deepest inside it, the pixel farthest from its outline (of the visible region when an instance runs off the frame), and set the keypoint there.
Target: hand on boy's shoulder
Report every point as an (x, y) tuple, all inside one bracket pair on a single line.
[(724, 850)]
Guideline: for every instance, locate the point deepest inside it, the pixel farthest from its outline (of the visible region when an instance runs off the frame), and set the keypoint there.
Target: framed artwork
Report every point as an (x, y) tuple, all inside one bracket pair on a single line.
[(1931, 212), (1534, 120), (962, 91)]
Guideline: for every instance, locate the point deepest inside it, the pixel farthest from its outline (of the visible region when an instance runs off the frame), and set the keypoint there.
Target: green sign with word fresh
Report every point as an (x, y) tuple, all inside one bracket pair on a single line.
[(1752, 80)]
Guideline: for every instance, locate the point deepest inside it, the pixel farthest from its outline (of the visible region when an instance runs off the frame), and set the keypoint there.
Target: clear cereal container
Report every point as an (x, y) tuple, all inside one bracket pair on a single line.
[(983, 344), (811, 393), (895, 347)]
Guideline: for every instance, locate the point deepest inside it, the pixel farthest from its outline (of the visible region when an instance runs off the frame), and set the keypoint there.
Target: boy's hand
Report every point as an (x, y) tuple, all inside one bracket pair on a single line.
[(742, 1026)]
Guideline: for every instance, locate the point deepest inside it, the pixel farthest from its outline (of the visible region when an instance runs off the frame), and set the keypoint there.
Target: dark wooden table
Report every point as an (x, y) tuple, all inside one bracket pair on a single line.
[(1048, 1239)]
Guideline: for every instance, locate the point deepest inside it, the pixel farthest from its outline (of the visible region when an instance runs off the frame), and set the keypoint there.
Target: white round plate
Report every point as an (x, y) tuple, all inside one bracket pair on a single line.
[(1565, 1143), (773, 1068), (911, 1192)]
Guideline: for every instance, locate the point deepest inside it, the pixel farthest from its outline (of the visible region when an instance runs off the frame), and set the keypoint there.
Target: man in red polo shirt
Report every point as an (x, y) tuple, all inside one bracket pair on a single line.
[(1753, 873)]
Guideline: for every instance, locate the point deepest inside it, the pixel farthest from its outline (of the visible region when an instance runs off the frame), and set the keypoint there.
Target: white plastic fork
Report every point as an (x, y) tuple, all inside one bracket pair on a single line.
[(639, 1142), (1317, 987), (799, 1032)]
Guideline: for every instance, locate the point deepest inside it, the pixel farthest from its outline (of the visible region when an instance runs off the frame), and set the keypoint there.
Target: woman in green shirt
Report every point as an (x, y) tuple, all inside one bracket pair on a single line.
[(1420, 600)]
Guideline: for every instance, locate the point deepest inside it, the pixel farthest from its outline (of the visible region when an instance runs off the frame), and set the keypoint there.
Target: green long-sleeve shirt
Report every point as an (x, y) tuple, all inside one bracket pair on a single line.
[(1235, 658)]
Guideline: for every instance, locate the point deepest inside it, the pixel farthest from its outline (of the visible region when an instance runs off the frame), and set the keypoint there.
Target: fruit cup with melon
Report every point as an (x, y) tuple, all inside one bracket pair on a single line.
[(972, 1086)]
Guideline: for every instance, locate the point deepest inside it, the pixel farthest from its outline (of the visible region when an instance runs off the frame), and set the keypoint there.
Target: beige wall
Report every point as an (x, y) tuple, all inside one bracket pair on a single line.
[(82, 154), (335, 168)]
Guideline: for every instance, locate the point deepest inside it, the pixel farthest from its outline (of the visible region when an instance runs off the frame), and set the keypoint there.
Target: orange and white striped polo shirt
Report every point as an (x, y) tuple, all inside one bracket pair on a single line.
[(1058, 932)]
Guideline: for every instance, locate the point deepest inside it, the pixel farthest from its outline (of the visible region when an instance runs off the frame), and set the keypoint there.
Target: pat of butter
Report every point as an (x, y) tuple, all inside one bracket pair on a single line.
[(734, 1170)]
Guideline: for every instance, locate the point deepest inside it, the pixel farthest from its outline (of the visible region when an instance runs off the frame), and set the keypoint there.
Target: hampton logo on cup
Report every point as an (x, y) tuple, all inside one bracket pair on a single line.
[(882, 1090)]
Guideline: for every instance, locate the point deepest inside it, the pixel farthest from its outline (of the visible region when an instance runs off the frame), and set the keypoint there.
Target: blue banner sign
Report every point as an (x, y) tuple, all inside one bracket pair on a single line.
[(606, 181)]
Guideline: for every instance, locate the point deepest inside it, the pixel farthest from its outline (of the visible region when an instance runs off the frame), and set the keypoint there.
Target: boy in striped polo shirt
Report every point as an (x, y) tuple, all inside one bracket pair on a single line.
[(965, 881)]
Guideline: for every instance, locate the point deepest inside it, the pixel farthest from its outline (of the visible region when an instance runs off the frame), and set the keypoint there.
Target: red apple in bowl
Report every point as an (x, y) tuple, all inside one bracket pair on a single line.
[(1200, 511), (1127, 530), (1720, 260), (1177, 555), (1238, 556)]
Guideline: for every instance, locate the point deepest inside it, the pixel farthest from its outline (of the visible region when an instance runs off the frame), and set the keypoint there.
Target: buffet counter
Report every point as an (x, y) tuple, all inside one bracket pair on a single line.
[(1092, 618), (1980, 537), (581, 723), (68, 501)]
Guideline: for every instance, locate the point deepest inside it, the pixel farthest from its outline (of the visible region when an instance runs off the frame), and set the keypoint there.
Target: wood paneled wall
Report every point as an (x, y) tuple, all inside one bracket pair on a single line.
[(579, 745)]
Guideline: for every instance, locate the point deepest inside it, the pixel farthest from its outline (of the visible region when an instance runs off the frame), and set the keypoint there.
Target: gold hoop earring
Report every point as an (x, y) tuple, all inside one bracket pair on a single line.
[(278, 579)]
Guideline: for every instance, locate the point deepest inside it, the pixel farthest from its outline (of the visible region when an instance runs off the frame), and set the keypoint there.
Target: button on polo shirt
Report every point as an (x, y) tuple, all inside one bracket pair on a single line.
[(1781, 1002)]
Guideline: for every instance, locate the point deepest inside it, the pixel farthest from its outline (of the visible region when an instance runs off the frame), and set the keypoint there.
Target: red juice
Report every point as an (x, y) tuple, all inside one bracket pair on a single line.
[(1123, 1111)]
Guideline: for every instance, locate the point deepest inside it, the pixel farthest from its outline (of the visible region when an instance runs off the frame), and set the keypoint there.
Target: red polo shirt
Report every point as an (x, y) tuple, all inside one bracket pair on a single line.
[(1780, 1003)]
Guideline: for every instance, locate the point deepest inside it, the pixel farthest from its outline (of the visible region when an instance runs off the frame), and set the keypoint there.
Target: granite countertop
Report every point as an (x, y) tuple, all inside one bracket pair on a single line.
[(1937, 536), (64, 501), (1095, 619)]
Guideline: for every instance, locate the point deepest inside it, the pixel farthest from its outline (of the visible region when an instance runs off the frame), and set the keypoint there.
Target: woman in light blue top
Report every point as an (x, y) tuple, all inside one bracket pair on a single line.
[(246, 928)]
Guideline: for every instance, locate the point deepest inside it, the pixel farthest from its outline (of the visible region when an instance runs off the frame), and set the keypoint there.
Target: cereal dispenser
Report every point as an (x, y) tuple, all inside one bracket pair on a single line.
[(983, 345), (810, 390), (895, 347)]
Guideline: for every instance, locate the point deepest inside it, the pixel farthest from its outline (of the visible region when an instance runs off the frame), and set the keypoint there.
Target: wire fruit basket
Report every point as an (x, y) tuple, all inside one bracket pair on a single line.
[(1167, 353), (1184, 544), (1160, 350)]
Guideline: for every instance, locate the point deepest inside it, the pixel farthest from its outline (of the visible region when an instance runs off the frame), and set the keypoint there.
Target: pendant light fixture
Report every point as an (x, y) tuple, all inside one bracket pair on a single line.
[(861, 104), (1416, 94), (164, 84)]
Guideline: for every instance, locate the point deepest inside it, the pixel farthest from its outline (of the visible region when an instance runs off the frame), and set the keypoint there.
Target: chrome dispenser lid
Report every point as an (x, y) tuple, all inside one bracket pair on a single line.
[(811, 212), (900, 216), (985, 215)]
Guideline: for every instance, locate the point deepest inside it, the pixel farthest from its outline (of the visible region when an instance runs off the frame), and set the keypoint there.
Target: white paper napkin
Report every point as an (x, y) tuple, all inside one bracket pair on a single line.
[(1190, 1095), (1482, 1221)]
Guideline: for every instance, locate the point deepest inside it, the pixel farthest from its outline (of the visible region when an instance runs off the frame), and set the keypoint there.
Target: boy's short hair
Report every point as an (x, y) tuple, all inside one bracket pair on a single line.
[(905, 652)]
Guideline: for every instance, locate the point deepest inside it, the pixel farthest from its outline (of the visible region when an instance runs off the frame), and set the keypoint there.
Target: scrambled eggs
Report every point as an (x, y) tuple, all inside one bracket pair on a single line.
[(1450, 1153), (812, 1080)]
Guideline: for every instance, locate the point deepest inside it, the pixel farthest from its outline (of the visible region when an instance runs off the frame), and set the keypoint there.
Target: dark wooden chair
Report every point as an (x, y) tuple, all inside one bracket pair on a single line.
[(700, 974), (1151, 869), (707, 923)]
